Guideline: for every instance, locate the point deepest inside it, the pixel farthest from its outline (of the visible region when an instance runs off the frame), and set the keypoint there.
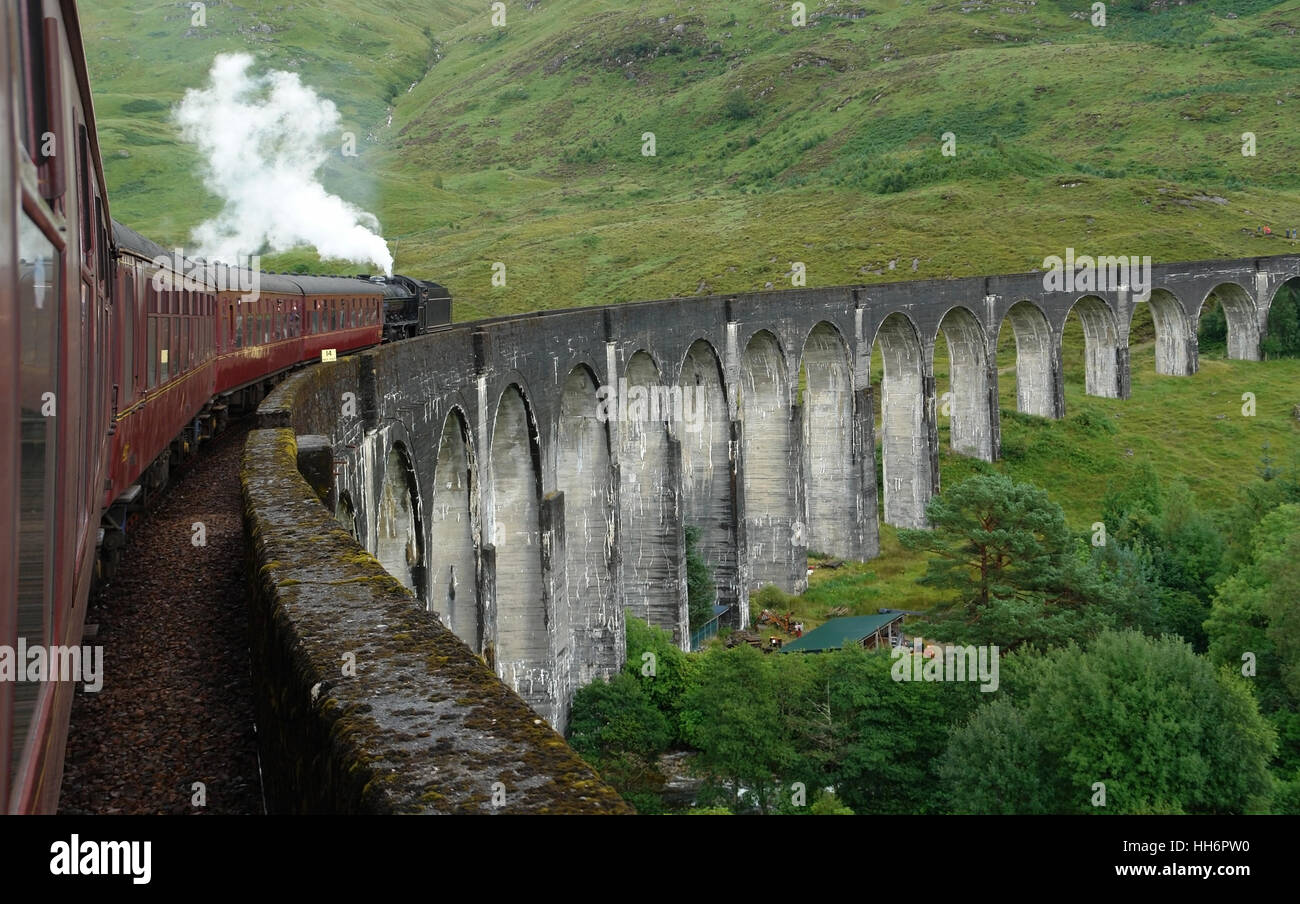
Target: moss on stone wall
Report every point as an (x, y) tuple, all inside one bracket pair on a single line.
[(366, 702)]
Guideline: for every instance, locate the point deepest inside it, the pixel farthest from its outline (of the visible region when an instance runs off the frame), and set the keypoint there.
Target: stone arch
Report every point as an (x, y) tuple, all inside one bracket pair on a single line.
[(454, 586), (1279, 338), (1101, 346), (653, 568), (587, 619), (830, 472), (970, 430), (522, 652), (774, 533), (1036, 390), (1175, 348), (1242, 317), (904, 440), (707, 489), (399, 538)]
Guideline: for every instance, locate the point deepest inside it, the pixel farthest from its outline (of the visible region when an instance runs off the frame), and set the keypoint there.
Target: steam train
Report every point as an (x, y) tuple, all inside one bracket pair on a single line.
[(117, 361)]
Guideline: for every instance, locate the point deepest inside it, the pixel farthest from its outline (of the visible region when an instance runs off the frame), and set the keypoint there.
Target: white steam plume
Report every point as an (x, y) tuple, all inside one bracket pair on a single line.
[(263, 139)]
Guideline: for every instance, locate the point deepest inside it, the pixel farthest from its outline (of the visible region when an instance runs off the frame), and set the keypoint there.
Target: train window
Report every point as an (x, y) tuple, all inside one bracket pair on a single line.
[(164, 349), (31, 97), (102, 241), (315, 318), (87, 376), (38, 315), (239, 330), (127, 312), (85, 197), (153, 351)]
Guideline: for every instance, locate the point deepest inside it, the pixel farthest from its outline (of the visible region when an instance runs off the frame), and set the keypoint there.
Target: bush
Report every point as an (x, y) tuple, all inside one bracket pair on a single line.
[(737, 106), (1093, 422)]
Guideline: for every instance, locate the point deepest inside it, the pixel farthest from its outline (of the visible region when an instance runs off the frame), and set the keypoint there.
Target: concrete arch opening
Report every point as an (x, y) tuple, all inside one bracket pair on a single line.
[(1101, 367), (523, 648), (588, 627), (830, 472), (969, 405), (708, 497), (906, 454), (1228, 320), (651, 531), (1034, 369), (774, 534), (454, 587), (399, 539), (1175, 352), (1282, 337)]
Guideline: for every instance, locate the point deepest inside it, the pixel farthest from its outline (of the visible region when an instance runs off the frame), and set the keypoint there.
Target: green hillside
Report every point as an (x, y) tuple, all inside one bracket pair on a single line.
[(821, 144)]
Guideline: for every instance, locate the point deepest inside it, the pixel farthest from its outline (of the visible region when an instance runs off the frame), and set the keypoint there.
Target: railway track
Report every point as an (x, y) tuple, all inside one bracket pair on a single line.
[(171, 731)]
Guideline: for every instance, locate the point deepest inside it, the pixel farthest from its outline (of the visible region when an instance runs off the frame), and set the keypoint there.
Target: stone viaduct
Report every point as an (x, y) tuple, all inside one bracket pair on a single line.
[(489, 469)]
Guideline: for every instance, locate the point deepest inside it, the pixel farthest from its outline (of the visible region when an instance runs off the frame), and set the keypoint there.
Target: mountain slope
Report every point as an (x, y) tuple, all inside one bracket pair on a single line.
[(822, 144)]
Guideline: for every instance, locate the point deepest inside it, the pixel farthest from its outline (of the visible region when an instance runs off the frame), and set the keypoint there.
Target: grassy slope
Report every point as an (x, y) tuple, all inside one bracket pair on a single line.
[(1189, 428), (523, 145), (1098, 138)]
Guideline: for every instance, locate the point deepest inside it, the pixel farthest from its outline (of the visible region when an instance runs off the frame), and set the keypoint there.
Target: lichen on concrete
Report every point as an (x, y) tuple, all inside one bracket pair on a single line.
[(419, 724)]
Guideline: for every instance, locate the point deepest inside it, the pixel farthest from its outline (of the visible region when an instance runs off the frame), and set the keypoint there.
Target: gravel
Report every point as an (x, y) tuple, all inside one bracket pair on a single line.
[(176, 706)]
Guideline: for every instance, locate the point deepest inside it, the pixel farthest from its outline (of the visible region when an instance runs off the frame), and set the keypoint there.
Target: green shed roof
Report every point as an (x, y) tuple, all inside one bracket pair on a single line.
[(836, 632)]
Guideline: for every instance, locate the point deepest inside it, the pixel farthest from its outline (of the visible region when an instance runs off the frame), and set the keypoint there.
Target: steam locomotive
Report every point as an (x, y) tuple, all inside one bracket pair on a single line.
[(117, 360)]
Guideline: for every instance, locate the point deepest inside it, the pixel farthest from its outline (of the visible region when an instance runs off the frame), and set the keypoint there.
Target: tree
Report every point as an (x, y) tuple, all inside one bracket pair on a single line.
[(611, 718), (1016, 572), (701, 592), (733, 716), (1254, 619), (1159, 726), (663, 674), (992, 538), (872, 738), (1184, 547), (993, 765), (615, 727)]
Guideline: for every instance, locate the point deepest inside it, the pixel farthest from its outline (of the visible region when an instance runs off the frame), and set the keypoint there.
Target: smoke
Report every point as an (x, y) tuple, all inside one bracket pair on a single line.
[(263, 139)]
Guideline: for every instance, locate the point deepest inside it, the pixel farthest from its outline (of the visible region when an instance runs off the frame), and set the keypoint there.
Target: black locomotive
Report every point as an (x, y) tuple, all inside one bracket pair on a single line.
[(412, 306)]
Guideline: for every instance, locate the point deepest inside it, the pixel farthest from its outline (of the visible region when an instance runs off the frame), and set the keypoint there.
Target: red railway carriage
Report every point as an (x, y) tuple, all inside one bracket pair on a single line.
[(55, 319), (196, 340), (117, 358)]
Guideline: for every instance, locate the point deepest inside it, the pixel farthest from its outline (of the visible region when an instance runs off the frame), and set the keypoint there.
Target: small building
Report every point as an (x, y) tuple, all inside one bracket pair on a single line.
[(867, 631)]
